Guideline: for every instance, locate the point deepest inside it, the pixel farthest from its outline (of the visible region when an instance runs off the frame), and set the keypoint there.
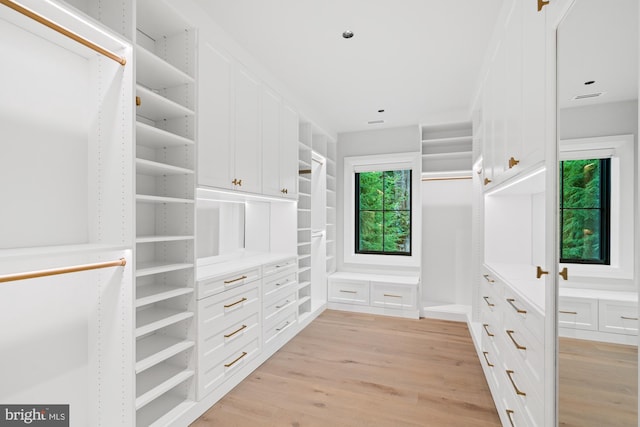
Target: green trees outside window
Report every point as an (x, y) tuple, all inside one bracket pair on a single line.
[(383, 212), (584, 211)]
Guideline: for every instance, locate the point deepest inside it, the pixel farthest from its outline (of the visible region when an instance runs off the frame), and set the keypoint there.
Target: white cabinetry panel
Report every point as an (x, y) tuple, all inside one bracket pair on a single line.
[(248, 151)]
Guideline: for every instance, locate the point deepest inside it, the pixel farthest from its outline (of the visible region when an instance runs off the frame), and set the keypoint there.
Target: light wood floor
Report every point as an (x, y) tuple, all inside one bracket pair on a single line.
[(349, 369), (598, 384)]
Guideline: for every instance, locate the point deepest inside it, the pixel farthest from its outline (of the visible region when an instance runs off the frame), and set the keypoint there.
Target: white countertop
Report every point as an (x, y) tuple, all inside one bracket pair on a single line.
[(214, 266), (522, 278)]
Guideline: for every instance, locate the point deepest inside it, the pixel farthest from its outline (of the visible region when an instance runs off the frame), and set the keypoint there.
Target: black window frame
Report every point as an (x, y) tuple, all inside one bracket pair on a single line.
[(605, 215), (357, 216)]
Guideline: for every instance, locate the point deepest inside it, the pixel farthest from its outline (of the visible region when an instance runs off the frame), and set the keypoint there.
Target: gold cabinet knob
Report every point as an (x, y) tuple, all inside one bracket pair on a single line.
[(512, 162), (540, 272), (541, 4), (564, 273), (487, 181), (138, 101), (240, 182)]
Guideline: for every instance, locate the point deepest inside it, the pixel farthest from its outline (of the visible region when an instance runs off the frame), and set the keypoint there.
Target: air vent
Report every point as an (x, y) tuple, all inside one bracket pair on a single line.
[(375, 122), (587, 95)]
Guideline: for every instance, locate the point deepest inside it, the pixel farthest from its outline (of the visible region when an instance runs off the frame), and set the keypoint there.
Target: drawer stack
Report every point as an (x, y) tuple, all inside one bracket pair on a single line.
[(512, 347), (280, 299)]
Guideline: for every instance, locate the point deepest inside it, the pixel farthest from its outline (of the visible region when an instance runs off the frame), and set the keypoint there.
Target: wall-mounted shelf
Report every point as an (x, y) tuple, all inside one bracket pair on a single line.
[(447, 147), (155, 349)]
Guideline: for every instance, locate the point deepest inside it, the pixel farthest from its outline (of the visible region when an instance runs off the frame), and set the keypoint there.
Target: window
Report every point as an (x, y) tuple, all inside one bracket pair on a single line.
[(585, 233), (383, 212)]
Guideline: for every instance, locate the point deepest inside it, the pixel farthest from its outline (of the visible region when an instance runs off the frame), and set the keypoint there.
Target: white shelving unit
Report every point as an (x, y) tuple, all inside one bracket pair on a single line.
[(304, 219), (165, 214), (331, 157), (447, 148)]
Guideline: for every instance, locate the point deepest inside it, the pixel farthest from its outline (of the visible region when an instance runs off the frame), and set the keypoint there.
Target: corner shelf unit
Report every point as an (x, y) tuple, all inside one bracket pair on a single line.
[(165, 214), (446, 147)]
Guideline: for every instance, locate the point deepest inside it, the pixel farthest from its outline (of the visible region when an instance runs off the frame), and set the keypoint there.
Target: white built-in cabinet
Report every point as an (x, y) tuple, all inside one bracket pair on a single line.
[(279, 146)]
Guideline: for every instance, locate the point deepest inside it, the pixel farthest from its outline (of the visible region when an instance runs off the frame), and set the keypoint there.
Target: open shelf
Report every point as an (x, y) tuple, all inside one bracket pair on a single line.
[(153, 137), (163, 410), (143, 198), (153, 293), (157, 348), (156, 107), (156, 73), (154, 318), (157, 239), (148, 167), (157, 380), (148, 268)]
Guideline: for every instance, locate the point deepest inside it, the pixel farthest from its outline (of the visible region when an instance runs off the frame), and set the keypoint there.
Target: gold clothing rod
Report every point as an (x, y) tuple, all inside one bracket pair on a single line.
[(63, 270), (64, 31)]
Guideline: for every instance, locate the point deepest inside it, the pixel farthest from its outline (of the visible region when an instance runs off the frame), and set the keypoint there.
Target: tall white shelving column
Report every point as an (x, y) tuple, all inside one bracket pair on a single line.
[(331, 206), (304, 221), (165, 214)]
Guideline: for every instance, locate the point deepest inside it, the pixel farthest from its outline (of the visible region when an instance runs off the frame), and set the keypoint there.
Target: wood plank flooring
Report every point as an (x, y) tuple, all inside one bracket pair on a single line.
[(598, 384), (349, 369)]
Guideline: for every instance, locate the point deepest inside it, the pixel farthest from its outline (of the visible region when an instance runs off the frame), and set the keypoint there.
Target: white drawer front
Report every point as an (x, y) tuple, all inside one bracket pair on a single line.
[(522, 346), (523, 314), (289, 265), (278, 283), (491, 325), (349, 292), (218, 284), (519, 389), (222, 311), (490, 301), (390, 295), (578, 313), (619, 317), (217, 343), (492, 283), (214, 372), (279, 324), (272, 309)]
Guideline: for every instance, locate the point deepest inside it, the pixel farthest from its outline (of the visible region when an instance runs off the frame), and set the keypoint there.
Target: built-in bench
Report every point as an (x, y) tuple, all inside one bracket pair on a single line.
[(391, 295)]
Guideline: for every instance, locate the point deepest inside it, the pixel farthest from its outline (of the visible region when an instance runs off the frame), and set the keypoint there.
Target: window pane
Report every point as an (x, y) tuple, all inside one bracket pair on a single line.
[(397, 226), (370, 191), (581, 234), (581, 183), (397, 185), (371, 229)]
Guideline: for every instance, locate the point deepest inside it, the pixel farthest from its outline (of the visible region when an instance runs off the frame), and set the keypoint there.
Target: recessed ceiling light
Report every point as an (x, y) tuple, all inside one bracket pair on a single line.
[(590, 82), (347, 34), (380, 111)]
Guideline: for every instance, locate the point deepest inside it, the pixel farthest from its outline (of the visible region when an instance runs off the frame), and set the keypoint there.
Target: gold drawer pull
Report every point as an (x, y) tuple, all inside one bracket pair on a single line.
[(540, 272), (489, 364), (628, 318), (487, 181), (518, 346), (236, 331), (541, 4), (488, 278), (393, 296), (515, 387), (283, 305), (228, 365), (486, 329), (490, 304), (226, 282), (564, 273), (348, 292), (510, 416), (235, 303), (513, 162), (283, 326), (138, 101), (519, 310), (567, 312)]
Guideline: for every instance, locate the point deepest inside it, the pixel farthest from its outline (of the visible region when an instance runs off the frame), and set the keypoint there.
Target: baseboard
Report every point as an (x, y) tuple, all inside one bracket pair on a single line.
[(454, 312)]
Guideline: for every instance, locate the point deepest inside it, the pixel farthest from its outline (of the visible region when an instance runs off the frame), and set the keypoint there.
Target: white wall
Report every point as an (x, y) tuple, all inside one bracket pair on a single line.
[(446, 242), (381, 141)]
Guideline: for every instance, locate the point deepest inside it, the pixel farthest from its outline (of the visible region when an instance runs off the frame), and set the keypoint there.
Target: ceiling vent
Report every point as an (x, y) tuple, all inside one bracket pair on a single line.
[(587, 96), (375, 122)]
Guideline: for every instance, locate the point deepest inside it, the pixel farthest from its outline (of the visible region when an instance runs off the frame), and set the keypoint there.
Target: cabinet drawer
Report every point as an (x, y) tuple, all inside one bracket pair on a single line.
[(520, 391), (620, 317), (390, 295), (280, 323), (349, 291), (490, 301), (522, 346), (272, 309), (493, 285), (491, 326), (214, 346), (221, 311), (218, 284), (278, 283), (578, 313), (215, 372), (523, 314), (288, 265)]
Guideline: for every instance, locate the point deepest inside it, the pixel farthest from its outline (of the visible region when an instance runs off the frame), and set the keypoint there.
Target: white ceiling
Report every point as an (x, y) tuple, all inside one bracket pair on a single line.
[(416, 59), (598, 42)]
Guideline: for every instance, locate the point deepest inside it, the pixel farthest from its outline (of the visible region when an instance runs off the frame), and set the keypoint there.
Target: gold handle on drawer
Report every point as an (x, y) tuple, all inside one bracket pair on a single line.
[(540, 272), (348, 292), (236, 331), (283, 326), (628, 318), (489, 364), (518, 346), (510, 416), (541, 4), (226, 282), (228, 365), (564, 273), (515, 387), (283, 305), (567, 312), (486, 329), (236, 303), (519, 310), (393, 296), (513, 162), (488, 278), (490, 304)]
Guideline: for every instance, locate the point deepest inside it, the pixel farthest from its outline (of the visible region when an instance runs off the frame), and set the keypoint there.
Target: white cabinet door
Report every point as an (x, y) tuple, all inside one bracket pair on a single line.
[(513, 119), (215, 133), (271, 136), (289, 152), (248, 153)]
